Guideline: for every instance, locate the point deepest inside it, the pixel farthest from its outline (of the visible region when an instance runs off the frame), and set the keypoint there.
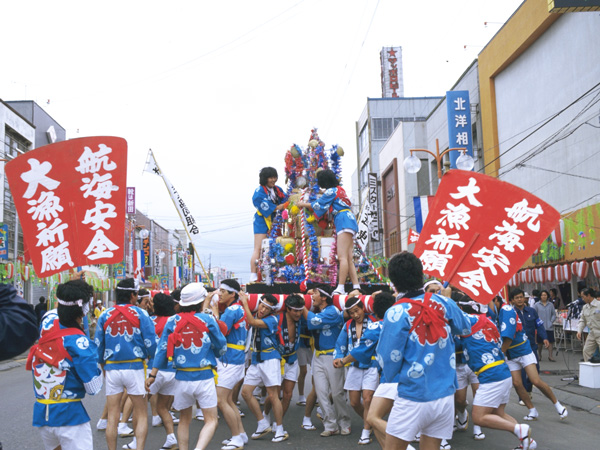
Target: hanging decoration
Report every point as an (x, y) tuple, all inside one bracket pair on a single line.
[(580, 269), (596, 268)]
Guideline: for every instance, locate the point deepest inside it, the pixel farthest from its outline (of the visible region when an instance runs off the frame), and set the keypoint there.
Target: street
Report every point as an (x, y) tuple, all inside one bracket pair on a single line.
[(578, 431)]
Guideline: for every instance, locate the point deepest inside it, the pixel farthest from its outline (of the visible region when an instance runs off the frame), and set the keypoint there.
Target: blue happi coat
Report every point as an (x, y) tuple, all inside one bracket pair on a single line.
[(424, 361), (194, 357)]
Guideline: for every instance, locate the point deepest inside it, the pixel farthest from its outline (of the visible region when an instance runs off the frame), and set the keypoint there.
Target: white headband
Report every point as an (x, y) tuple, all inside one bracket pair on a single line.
[(226, 287), (431, 282), (75, 303), (144, 296), (295, 309), (346, 308), (324, 292), (267, 304), (127, 288)]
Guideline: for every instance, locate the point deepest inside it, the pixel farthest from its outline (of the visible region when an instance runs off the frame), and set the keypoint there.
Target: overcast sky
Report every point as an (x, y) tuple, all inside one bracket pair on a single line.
[(221, 89)]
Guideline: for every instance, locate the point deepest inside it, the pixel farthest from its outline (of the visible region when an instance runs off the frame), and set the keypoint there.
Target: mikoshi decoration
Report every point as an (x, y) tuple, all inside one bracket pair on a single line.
[(299, 248), (480, 231), (70, 197)]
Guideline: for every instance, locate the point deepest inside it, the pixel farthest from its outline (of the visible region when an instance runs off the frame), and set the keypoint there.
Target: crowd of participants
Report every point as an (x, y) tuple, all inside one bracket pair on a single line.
[(405, 368)]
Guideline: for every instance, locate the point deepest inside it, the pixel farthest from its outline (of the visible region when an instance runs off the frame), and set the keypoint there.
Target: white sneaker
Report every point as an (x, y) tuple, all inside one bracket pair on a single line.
[(124, 431), (101, 425), (156, 421)]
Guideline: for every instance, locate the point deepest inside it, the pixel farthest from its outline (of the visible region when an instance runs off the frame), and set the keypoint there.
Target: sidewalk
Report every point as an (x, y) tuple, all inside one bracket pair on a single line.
[(558, 374), (17, 361)]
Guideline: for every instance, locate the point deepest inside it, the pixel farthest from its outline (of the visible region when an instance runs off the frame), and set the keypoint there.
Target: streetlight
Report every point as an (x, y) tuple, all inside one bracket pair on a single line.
[(412, 164)]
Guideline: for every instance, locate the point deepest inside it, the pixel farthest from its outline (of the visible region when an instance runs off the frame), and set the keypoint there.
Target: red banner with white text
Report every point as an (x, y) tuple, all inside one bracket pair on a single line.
[(70, 197), (480, 231)]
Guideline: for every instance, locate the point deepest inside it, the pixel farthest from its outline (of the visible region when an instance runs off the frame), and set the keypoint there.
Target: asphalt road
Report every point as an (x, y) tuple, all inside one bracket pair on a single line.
[(579, 431)]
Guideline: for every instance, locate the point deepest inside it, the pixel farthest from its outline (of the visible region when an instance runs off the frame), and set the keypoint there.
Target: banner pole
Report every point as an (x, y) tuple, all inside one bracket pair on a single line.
[(179, 214)]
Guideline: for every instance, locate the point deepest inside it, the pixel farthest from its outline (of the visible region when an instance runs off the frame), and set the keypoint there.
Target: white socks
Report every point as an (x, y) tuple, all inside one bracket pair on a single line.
[(521, 430), (253, 277), (559, 407), (237, 441), (366, 434), (356, 286)]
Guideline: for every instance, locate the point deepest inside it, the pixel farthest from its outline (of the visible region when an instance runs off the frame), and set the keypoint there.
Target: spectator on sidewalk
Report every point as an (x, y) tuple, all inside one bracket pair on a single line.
[(547, 314), (40, 309), (554, 299), (590, 317)]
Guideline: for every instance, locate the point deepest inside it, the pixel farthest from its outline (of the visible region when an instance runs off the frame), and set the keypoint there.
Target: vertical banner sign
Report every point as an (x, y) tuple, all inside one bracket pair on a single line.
[(70, 197), (459, 124), (130, 200), (391, 72), (184, 213), (146, 249), (480, 231), (362, 237), (156, 263), (373, 206), (4, 241)]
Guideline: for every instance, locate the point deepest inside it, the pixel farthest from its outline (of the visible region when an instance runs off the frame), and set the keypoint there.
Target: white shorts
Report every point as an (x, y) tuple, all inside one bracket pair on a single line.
[(190, 392), (346, 230), (493, 394), (465, 376), (73, 437), (434, 419), (305, 356), (229, 374), (131, 379), (267, 372), (521, 362), (291, 371), (164, 384), (361, 379), (386, 390)]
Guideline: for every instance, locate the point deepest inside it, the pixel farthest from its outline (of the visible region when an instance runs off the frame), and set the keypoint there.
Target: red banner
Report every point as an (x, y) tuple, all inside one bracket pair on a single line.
[(70, 198), (413, 237), (480, 231)]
